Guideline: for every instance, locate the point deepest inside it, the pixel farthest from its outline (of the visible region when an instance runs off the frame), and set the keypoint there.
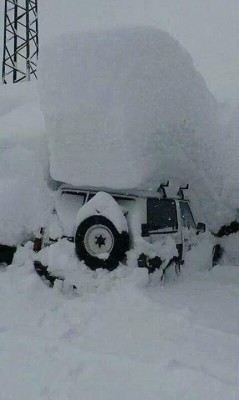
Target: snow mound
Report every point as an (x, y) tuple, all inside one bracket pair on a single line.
[(63, 262), (231, 249), (126, 108)]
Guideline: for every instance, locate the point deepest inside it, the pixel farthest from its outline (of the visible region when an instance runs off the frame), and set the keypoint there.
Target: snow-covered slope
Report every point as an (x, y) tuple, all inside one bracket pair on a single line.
[(126, 108)]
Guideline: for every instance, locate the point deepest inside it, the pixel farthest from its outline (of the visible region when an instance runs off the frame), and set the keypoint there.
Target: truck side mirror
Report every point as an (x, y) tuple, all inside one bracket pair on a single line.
[(201, 227)]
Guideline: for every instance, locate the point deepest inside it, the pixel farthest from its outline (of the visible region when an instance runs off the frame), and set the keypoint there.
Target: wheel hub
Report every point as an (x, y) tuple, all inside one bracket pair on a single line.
[(98, 240)]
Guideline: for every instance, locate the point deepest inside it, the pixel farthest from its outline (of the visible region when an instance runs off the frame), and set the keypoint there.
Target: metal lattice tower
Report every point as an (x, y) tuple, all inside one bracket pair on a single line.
[(20, 48)]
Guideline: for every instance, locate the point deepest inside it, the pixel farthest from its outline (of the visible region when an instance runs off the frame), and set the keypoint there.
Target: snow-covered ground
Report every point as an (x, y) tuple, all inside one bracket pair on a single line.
[(120, 335)]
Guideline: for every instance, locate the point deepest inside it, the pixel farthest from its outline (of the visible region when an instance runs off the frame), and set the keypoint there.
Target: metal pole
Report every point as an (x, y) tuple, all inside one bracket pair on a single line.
[(4, 45), (37, 37), (15, 40), (28, 72)]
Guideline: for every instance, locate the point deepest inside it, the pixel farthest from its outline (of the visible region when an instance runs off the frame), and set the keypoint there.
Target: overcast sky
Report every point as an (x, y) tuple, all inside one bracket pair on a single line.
[(208, 29)]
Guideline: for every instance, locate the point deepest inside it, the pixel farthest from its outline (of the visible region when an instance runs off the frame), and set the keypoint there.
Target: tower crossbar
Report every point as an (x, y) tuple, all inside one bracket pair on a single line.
[(21, 45)]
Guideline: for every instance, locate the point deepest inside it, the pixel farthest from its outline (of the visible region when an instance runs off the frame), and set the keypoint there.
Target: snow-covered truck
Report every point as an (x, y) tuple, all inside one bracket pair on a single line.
[(126, 109), (105, 226)]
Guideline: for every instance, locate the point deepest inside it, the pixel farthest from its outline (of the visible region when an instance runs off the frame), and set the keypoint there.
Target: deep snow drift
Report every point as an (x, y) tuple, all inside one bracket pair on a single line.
[(126, 108), (120, 335), (25, 200)]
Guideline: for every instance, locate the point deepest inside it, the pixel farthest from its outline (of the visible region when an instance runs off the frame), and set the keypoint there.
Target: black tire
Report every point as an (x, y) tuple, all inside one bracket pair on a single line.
[(119, 243), (217, 253), (7, 253)]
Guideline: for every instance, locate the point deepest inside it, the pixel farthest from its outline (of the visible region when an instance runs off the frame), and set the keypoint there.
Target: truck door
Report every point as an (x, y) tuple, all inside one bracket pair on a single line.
[(162, 219)]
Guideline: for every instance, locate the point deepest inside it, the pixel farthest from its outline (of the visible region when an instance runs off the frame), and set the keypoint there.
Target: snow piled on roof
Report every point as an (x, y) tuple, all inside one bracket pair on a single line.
[(126, 108)]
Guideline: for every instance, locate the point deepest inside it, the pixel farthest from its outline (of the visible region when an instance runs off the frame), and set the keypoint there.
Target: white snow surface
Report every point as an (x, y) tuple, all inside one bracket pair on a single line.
[(130, 110), (103, 204), (25, 200), (120, 335), (231, 249), (67, 207)]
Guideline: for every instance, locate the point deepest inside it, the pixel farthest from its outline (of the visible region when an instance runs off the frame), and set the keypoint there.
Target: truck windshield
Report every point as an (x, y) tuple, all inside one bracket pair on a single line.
[(162, 214)]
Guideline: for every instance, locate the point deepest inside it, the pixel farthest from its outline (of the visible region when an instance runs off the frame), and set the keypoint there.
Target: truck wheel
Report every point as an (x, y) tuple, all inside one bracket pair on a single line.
[(99, 244)]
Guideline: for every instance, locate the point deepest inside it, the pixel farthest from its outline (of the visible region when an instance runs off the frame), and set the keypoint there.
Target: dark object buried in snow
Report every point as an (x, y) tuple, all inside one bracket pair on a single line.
[(228, 229), (7, 253), (97, 236)]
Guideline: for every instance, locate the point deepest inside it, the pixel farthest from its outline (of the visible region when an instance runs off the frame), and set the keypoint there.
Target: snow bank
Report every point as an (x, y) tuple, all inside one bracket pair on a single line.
[(25, 200), (126, 108), (231, 249), (118, 336)]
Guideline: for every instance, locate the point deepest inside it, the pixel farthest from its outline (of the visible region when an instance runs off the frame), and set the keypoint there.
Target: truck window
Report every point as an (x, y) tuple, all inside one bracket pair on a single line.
[(161, 214), (186, 215)]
